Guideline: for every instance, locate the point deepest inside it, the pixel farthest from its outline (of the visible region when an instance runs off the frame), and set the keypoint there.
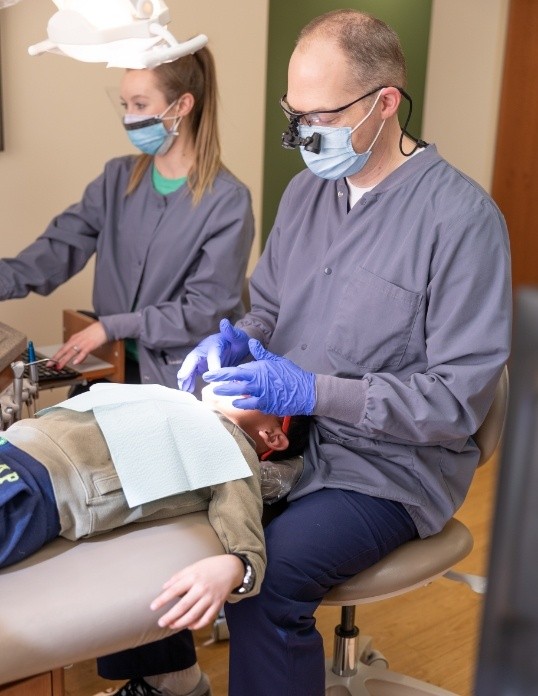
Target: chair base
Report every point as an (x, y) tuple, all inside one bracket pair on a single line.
[(372, 678)]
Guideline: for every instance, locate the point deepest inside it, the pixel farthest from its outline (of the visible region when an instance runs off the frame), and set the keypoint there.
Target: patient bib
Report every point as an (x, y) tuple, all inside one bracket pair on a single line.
[(162, 441)]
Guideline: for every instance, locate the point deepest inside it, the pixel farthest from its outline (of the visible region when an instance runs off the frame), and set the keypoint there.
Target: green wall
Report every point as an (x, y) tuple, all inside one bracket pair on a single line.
[(410, 18)]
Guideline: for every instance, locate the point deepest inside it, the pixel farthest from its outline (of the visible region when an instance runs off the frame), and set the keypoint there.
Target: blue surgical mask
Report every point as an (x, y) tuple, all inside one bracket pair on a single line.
[(149, 134), (337, 158)]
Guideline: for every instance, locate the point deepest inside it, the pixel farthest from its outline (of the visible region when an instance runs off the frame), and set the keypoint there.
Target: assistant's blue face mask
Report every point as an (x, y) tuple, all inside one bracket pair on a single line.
[(149, 134), (336, 158)]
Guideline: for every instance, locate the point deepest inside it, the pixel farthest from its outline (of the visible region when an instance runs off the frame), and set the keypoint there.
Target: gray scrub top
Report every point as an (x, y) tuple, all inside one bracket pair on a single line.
[(402, 308), (165, 271)]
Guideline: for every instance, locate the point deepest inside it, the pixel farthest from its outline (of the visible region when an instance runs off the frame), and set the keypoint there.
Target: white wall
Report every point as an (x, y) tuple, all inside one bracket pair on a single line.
[(463, 82), (60, 127)]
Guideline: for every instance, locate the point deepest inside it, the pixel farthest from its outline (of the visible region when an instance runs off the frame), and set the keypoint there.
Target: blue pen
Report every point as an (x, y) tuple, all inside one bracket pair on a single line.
[(34, 374)]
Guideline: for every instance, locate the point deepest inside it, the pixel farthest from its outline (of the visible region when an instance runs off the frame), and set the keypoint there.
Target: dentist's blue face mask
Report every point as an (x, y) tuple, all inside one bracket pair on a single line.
[(337, 158), (149, 134)]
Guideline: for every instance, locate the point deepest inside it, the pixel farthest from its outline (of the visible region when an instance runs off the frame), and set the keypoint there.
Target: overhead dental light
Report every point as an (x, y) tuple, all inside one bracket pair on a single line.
[(120, 33)]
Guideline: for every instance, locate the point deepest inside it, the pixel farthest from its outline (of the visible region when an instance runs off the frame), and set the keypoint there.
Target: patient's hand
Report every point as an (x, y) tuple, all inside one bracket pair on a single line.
[(202, 587)]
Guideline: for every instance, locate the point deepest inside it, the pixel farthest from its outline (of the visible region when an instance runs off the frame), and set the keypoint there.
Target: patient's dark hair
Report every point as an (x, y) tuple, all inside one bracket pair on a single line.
[(298, 432)]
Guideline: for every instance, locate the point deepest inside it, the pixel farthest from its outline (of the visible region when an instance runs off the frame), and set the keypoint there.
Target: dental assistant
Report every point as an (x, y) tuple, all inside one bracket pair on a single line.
[(171, 229), (382, 306)]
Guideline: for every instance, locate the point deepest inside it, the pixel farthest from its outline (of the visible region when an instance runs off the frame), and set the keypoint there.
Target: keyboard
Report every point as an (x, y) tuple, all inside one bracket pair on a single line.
[(49, 374)]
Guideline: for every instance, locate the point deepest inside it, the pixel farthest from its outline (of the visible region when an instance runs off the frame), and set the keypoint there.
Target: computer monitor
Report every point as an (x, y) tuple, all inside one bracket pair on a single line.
[(508, 652), (12, 344)]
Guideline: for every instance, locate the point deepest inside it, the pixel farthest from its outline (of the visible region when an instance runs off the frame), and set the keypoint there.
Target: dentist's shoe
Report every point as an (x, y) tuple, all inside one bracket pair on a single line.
[(203, 688), (134, 687), (139, 687)]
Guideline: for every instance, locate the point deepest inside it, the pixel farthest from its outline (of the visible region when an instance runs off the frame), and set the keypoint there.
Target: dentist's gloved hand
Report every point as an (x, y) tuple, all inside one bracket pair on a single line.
[(222, 349), (272, 384)]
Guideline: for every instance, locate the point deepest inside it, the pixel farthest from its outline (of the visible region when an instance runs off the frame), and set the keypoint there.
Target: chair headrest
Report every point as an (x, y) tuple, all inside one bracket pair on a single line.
[(489, 434)]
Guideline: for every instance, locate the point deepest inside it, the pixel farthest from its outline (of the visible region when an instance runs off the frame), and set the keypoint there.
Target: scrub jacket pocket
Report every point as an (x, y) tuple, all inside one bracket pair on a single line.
[(374, 321)]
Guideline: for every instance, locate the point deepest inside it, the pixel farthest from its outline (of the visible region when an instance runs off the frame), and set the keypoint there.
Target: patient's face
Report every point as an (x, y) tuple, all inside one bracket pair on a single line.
[(255, 423)]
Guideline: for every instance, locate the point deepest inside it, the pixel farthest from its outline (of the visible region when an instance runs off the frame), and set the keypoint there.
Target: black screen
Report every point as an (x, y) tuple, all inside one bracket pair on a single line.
[(508, 654)]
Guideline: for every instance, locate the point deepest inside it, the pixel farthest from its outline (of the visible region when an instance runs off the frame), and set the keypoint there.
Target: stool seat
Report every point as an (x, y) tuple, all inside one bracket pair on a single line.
[(411, 565)]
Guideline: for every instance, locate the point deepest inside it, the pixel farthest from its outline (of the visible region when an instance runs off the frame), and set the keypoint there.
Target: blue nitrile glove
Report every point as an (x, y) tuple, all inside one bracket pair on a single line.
[(273, 384), (222, 349)]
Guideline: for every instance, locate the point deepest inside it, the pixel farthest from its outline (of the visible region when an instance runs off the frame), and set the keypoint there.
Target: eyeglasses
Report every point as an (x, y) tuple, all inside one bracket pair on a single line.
[(318, 118)]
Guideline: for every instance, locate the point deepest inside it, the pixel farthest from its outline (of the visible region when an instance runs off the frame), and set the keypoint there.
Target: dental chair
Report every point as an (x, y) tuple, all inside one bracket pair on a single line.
[(73, 601), (356, 669)]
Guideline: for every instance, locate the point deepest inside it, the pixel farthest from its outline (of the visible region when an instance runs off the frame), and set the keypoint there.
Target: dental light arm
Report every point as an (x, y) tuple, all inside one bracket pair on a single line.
[(164, 54)]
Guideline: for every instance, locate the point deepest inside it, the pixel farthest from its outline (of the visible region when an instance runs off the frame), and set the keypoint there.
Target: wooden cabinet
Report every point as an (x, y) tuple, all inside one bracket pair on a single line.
[(515, 178), (47, 684)]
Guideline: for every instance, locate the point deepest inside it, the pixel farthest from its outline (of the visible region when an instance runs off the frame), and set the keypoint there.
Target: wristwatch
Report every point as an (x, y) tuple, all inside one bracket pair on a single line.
[(249, 578)]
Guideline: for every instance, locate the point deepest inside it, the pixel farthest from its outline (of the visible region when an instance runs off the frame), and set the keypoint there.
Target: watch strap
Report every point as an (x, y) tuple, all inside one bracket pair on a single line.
[(249, 578)]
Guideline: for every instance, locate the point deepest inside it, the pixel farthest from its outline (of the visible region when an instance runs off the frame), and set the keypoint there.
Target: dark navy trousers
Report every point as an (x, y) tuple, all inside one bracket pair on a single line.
[(317, 542), (170, 654)]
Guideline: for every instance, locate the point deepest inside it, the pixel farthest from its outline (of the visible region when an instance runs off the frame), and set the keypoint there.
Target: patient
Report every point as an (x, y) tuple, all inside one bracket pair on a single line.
[(57, 478)]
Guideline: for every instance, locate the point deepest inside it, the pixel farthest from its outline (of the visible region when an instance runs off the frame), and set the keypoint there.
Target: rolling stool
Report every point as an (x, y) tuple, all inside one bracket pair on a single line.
[(356, 669)]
